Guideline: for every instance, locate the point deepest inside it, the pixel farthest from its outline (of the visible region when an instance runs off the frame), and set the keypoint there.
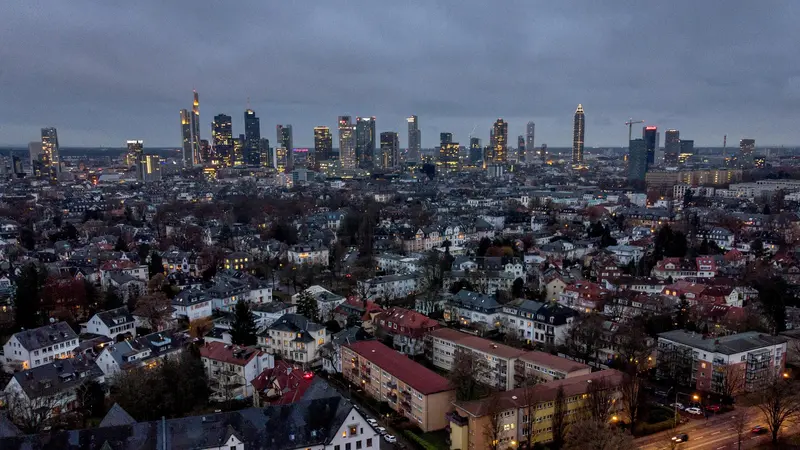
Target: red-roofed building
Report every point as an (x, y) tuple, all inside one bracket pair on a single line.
[(407, 328), (357, 312), (584, 296), (418, 393), (127, 267), (282, 384), (231, 369), (678, 268), (735, 258)]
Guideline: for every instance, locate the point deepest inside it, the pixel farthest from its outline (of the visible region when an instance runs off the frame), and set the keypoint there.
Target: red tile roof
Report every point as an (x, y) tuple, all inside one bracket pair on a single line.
[(291, 382), (401, 367), (408, 322), (478, 343), (231, 354), (554, 362)]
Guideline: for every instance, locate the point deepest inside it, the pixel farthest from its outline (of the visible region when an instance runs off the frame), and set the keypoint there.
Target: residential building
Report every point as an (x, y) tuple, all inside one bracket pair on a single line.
[(678, 268), (541, 367), (390, 286), (407, 328), (295, 338), (472, 308), (144, 351), (192, 304), (111, 323), (409, 388), (267, 313), (33, 348), (237, 261), (327, 301), (314, 254), (231, 369)]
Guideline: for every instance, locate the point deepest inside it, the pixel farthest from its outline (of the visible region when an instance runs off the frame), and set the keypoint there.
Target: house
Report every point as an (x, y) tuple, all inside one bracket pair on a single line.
[(294, 338), (126, 285), (127, 267), (238, 261), (191, 304), (327, 301), (144, 351), (584, 296), (357, 312), (543, 367), (111, 323), (314, 254), (390, 286), (718, 235), (625, 254), (518, 316), (409, 388), (406, 328), (267, 313), (231, 369), (472, 308), (181, 262), (33, 348), (677, 268), (391, 263), (331, 352), (552, 323), (282, 384)]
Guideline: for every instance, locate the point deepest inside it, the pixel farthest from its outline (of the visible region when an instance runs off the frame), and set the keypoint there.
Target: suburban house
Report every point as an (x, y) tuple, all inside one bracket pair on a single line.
[(407, 387), (231, 369), (406, 328), (313, 254), (267, 313), (191, 304), (390, 286), (678, 268), (33, 348), (111, 323), (474, 309), (294, 338), (144, 351), (327, 301), (282, 384)]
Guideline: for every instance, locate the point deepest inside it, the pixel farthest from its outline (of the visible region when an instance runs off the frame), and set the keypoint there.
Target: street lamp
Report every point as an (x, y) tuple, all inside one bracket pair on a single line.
[(695, 397), (785, 374)]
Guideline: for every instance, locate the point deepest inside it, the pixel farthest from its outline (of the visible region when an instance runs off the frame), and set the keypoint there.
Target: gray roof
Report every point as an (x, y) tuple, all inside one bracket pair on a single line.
[(298, 324), (157, 343), (475, 301), (117, 416), (727, 345), (115, 317), (59, 376), (46, 336), (188, 297)]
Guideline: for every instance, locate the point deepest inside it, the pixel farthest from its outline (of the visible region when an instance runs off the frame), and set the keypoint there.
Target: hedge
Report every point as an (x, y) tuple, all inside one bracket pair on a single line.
[(421, 442)]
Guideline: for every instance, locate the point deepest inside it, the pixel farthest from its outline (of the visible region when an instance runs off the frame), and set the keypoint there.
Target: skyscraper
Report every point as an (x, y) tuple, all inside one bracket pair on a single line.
[(148, 168), (672, 147), (323, 145), (746, 149), (347, 142), (365, 141), (414, 139), (530, 132), (650, 136), (390, 150), (578, 130), (205, 151), (475, 150), (252, 136), (543, 153), (445, 138), (238, 150), (35, 154), (265, 159), (687, 150), (286, 140), (281, 161), (499, 141), (448, 153), (637, 159), (50, 153), (521, 148), (196, 130), (135, 151), (187, 155), (222, 139)]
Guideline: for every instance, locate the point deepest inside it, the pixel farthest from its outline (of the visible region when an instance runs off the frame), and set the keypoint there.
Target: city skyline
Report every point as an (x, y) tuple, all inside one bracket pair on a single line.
[(109, 86)]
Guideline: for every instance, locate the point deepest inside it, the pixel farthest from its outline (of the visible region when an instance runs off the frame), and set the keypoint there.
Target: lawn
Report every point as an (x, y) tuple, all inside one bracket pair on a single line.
[(438, 439)]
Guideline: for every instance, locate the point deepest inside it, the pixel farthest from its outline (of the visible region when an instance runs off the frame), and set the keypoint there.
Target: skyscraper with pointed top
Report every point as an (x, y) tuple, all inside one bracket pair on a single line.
[(195, 130), (186, 137), (578, 129)]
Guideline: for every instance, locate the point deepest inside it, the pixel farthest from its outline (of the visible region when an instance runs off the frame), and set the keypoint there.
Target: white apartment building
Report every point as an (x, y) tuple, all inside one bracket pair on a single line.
[(390, 286), (111, 323), (308, 254), (231, 369), (32, 348)]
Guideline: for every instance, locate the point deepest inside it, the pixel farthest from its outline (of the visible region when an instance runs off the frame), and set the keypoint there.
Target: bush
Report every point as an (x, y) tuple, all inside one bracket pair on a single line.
[(643, 429), (419, 441)]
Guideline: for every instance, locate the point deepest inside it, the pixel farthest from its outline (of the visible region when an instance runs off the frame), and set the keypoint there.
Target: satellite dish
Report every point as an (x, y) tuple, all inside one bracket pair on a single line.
[(52, 320)]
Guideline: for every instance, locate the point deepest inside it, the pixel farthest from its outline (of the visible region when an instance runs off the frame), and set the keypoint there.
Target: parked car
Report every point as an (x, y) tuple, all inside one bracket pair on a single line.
[(713, 408), (662, 393), (694, 410), (372, 422), (682, 437), (380, 430), (390, 439), (677, 405), (759, 429)]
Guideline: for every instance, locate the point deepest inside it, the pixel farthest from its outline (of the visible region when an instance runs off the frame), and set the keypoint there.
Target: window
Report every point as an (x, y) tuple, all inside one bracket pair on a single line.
[(358, 445), (369, 442), (337, 447), (353, 430), (347, 446)]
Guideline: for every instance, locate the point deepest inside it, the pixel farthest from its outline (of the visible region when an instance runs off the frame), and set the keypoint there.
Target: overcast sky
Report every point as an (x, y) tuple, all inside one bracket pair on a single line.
[(103, 72)]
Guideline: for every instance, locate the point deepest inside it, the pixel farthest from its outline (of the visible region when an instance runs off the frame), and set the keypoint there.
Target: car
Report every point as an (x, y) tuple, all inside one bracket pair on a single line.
[(372, 422), (759, 429), (694, 410), (682, 437), (380, 430), (677, 405), (662, 393), (713, 408), (390, 439)]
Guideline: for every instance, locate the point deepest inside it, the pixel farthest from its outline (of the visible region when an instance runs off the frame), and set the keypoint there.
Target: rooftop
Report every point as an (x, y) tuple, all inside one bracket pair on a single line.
[(401, 367), (727, 345)]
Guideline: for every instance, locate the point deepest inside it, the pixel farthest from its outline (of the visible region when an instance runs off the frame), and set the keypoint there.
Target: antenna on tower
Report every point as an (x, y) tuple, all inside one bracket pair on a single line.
[(248, 102)]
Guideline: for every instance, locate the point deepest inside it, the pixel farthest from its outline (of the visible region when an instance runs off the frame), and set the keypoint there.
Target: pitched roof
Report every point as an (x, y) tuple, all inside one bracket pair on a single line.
[(45, 336), (478, 343), (727, 345), (116, 416), (401, 367), (231, 354), (553, 362), (114, 317)]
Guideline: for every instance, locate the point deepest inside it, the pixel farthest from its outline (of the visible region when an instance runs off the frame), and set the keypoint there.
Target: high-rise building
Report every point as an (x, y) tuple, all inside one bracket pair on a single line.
[(578, 130), (286, 140), (148, 168), (135, 151), (205, 151), (521, 148), (238, 150), (448, 153), (637, 159), (187, 156), (390, 150), (365, 141), (499, 141), (347, 142), (530, 133), (475, 150), (196, 129), (543, 153), (281, 161), (252, 136), (35, 156), (650, 136), (687, 150), (323, 144), (414, 139), (445, 138), (50, 152), (265, 159), (746, 149), (672, 147), (222, 139)]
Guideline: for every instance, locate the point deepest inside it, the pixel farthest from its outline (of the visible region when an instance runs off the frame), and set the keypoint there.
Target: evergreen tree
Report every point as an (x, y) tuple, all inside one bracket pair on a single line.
[(243, 330), (121, 245), (27, 298), (156, 265), (307, 306)]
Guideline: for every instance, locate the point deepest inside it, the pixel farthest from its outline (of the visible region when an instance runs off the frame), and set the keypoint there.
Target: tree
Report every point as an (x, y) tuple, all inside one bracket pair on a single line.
[(111, 299), (27, 239), (156, 265), (155, 308), (31, 415), (634, 345), (599, 401), (307, 306), (199, 327), (740, 422), (483, 247), (243, 329), (529, 399), (633, 397), (779, 401), (733, 381), (90, 398), (559, 420), (774, 296), (121, 245), (517, 289), (467, 369), (584, 338), (27, 297), (596, 435), (493, 427), (682, 312)]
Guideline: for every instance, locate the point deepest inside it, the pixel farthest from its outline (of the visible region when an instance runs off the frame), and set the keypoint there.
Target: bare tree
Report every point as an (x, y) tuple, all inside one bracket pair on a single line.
[(739, 422), (155, 308), (633, 397), (493, 426), (596, 435), (466, 371), (31, 415), (559, 420), (599, 400), (733, 381), (529, 399), (778, 402)]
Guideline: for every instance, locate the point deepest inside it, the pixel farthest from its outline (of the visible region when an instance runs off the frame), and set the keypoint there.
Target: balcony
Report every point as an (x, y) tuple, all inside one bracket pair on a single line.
[(406, 395), (392, 397), (456, 419)]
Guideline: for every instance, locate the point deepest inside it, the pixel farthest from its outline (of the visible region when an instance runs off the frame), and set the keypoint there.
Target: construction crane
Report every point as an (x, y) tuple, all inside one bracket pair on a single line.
[(630, 123)]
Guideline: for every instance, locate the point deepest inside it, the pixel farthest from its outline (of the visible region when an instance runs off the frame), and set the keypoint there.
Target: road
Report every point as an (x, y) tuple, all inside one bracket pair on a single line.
[(716, 433)]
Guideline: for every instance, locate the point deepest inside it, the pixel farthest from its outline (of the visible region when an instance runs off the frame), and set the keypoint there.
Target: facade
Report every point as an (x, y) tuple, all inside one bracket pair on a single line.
[(475, 150), (32, 348), (231, 369), (192, 304), (135, 150), (347, 143), (51, 159), (543, 367), (650, 137), (448, 153), (578, 132), (308, 254), (294, 338), (323, 145), (407, 328), (195, 119), (472, 308), (252, 138), (743, 361), (499, 142), (672, 147), (365, 142), (222, 140), (149, 168), (530, 146), (414, 138), (637, 159), (410, 389), (286, 142), (746, 149), (111, 323), (186, 138), (144, 351), (389, 156), (390, 286)]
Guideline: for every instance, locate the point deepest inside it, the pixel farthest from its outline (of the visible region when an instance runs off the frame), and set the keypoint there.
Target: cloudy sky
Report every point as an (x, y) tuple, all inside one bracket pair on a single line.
[(104, 72)]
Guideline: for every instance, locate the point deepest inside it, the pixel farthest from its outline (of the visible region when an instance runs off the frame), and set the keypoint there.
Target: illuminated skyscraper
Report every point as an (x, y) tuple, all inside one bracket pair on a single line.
[(475, 150), (135, 151), (530, 131), (148, 168), (390, 150), (687, 150), (252, 136), (264, 153), (499, 141), (521, 148), (672, 147), (323, 144), (196, 130), (445, 138), (238, 150), (347, 143), (35, 155), (205, 151), (222, 139), (448, 153), (414, 139), (186, 136), (281, 159), (50, 153), (637, 159), (650, 136), (746, 149), (578, 129), (365, 141)]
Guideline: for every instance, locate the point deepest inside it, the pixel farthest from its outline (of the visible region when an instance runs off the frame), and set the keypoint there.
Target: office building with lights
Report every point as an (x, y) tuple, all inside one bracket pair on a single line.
[(222, 139), (650, 137), (672, 147), (187, 156), (51, 160), (281, 161), (265, 155), (475, 150), (499, 142), (134, 153), (530, 134), (347, 142), (448, 153), (148, 168), (578, 134), (637, 159), (390, 150), (196, 129), (252, 137), (323, 145), (365, 142), (414, 139), (746, 149)]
